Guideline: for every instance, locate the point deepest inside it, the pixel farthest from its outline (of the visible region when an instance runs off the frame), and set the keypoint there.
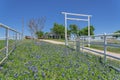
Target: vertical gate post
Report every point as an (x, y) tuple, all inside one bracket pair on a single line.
[(66, 39), (88, 31), (105, 47), (7, 41), (83, 44)]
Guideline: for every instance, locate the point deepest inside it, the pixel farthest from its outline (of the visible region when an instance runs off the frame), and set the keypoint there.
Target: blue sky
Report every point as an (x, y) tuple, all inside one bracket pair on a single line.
[(105, 13)]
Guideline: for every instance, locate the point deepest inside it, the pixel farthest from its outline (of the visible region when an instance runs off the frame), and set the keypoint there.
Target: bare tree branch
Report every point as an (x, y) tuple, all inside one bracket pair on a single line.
[(36, 25)]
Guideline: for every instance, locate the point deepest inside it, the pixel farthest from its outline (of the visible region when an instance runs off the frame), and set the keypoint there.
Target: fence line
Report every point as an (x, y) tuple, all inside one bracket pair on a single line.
[(105, 41), (6, 49)]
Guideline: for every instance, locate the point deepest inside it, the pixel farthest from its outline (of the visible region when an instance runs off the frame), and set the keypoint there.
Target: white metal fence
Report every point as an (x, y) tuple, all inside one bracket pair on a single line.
[(106, 45), (104, 41), (8, 41), (107, 41)]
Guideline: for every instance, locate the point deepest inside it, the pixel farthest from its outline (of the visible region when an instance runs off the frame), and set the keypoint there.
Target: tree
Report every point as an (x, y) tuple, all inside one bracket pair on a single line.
[(59, 30), (116, 36), (36, 26), (73, 29), (39, 34), (84, 31)]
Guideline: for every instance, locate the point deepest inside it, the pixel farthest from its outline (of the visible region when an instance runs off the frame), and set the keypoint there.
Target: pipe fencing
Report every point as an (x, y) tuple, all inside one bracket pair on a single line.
[(107, 45), (8, 41)]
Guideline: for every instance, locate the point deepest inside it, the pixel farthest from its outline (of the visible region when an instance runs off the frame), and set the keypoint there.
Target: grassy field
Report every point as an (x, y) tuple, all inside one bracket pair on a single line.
[(3, 49), (3, 43), (111, 49), (45, 61)]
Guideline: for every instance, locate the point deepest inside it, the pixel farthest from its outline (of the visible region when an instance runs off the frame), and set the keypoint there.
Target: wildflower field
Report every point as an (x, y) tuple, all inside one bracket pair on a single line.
[(2, 43), (45, 61)]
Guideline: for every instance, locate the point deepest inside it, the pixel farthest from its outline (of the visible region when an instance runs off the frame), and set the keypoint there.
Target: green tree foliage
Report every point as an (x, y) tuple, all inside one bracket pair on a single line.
[(73, 29), (84, 31), (46, 33), (116, 36), (59, 30), (39, 34)]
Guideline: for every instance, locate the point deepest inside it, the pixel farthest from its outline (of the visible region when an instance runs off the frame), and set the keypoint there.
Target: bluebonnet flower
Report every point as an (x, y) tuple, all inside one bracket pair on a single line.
[(99, 77), (15, 75), (29, 62), (43, 74), (34, 69), (1, 67), (93, 74), (63, 75), (76, 65), (57, 65), (35, 76), (38, 56)]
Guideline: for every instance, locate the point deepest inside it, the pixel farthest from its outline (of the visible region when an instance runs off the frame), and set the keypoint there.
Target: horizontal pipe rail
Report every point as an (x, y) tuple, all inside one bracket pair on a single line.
[(5, 26), (74, 14), (77, 19), (102, 53), (94, 51), (118, 58), (113, 45)]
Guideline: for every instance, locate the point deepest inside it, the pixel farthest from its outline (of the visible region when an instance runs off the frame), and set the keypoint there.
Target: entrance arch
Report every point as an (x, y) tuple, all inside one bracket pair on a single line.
[(77, 19)]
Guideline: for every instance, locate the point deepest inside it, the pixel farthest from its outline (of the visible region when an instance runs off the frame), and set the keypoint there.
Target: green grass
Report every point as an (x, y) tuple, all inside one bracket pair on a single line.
[(45, 61), (111, 49), (2, 48), (113, 41), (2, 43)]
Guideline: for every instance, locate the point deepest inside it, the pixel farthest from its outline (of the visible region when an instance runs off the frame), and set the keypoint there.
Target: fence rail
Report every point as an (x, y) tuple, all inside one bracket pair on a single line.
[(106, 40), (108, 45), (8, 42)]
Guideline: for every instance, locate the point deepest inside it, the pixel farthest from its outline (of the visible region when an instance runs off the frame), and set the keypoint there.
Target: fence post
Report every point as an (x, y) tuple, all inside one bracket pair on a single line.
[(7, 41), (66, 37), (89, 38), (82, 44), (78, 44), (105, 47)]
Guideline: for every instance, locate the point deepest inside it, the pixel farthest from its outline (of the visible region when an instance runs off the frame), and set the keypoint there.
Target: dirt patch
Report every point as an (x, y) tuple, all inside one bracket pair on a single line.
[(54, 42)]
